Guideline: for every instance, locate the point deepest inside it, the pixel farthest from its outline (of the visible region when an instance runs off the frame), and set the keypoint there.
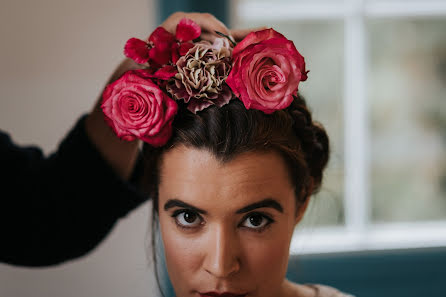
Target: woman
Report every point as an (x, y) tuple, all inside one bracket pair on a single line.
[(232, 156)]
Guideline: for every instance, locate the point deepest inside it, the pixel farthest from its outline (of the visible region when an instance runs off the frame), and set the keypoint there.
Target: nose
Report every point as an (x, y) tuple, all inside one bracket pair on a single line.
[(222, 255)]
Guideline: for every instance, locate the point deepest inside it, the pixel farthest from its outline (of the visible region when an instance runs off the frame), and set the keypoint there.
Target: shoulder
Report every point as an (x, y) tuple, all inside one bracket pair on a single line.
[(327, 291)]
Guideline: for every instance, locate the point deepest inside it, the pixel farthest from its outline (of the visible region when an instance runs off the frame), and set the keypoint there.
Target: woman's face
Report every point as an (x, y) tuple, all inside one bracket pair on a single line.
[(226, 228)]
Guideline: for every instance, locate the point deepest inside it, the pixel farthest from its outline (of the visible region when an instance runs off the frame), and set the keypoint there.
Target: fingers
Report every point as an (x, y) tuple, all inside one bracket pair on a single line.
[(208, 36), (171, 22), (208, 23), (239, 34)]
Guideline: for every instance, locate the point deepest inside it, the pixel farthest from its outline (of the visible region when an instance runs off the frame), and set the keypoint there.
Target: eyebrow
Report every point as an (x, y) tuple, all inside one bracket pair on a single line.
[(176, 202), (268, 202)]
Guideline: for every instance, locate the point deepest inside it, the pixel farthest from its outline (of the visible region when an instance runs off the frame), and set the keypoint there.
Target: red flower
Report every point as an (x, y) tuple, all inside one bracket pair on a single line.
[(137, 50), (187, 30), (135, 107), (266, 71), (162, 46), (164, 73)]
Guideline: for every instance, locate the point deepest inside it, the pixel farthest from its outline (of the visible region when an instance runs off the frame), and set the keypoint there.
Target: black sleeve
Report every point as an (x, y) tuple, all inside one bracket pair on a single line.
[(58, 208)]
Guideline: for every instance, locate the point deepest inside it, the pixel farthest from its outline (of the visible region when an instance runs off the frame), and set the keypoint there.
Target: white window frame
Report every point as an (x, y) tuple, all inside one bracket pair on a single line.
[(358, 233)]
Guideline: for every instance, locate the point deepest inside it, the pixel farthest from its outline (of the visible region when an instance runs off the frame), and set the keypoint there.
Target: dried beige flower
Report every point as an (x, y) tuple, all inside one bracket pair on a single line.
[(201, 76)]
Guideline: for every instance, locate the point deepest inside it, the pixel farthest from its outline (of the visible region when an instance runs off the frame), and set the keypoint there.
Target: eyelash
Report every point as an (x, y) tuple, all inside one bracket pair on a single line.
[(269, 219), (180, 211)]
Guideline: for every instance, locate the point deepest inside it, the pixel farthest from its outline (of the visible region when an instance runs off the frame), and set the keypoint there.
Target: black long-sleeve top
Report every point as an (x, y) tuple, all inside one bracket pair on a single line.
[(59, 207)]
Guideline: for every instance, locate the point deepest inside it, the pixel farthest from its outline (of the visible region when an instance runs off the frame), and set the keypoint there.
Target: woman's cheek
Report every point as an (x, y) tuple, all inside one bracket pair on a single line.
[(267, 259), (182, 255)]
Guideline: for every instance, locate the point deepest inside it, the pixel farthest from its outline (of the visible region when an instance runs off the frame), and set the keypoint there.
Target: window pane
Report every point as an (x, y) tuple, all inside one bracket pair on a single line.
[(286, 1), (321, 43), (408, 119)]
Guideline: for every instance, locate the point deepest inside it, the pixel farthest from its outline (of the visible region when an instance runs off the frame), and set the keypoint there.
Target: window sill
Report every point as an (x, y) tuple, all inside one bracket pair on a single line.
[(320, 240)]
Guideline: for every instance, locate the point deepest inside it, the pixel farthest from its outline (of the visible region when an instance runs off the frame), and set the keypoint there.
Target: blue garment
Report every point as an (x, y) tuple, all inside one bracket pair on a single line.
[(57, 208)]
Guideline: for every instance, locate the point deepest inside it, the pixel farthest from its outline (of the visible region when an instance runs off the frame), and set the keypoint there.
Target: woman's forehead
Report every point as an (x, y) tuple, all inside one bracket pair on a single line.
[(193, 170)]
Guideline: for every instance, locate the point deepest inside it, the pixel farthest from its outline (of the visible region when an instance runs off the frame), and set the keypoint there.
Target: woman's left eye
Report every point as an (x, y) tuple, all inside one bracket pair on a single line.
[(187, 218), (256, 221)]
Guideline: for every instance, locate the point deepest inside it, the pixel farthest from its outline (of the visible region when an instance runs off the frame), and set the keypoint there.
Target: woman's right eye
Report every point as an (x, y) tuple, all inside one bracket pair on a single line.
[(187, 219)]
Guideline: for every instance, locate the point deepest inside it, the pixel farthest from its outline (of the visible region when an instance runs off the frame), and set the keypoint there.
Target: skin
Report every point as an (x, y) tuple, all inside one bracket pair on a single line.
[(222, 250), (122, 155)]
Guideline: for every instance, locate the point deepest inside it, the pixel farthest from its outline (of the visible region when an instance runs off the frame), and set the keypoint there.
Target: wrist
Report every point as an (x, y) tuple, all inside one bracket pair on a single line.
[(121, 155)]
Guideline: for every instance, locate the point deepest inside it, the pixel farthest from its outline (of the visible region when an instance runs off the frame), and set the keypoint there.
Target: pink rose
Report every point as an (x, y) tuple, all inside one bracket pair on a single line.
[(266, 71), (135, 107)]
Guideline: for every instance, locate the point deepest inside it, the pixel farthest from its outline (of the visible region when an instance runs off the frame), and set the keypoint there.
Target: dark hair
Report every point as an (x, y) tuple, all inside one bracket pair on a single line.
[(232, 129)]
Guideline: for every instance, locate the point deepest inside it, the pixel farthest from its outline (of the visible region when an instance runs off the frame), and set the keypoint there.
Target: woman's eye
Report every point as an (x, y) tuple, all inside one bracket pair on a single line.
[(256, 221), (187, 219)]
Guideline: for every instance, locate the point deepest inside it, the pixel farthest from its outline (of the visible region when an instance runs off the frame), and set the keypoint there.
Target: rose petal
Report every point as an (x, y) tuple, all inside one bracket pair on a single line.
[(255, 37), (161, 138)]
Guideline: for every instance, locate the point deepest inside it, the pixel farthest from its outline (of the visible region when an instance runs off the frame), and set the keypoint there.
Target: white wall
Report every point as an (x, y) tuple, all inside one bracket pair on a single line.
[(55, 57)]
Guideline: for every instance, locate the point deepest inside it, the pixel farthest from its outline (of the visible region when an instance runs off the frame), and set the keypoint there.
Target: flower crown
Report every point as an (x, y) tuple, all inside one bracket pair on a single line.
[(263, 71)]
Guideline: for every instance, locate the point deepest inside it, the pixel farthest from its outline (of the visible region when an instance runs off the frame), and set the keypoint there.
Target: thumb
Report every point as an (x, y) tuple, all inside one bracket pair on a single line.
[(239, 34)]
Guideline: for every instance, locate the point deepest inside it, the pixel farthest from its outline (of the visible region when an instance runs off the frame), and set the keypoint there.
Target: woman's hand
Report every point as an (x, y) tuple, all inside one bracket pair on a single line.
[(208, 23), (121, 155)]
